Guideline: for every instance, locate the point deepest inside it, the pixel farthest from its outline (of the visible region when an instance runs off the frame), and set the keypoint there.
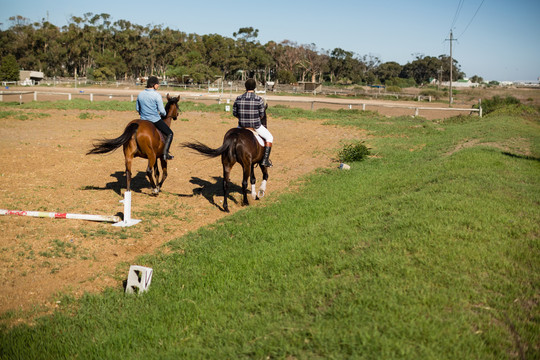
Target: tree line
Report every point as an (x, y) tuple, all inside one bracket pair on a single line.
[(94, 47)]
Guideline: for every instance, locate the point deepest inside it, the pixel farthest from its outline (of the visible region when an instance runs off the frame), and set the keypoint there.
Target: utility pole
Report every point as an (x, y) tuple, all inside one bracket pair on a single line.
[(450, 95), (439, 78), (451, 66)]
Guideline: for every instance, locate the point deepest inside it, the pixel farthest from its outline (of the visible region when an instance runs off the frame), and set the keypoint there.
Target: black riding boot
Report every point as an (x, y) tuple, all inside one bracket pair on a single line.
[(266, 161), (166, 155)]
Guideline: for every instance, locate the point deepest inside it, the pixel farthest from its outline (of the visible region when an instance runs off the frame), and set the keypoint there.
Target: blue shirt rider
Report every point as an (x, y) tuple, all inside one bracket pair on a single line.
[(150, 107)]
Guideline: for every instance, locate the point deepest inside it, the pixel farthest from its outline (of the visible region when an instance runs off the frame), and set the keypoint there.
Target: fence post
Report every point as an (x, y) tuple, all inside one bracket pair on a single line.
[(363, 107), (91, 97), (131, 97), (312, 104), (20, 99), (480, 107), (415, 111), (35, 95), (69, 96)]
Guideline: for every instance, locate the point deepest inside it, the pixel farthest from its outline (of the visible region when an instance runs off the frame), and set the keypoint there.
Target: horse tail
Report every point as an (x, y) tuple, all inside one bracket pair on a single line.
[(107, 145), (208, 151)]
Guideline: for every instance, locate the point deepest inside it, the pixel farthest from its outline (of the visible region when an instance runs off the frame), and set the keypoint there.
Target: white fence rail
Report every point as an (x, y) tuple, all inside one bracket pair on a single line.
[(219, 99)]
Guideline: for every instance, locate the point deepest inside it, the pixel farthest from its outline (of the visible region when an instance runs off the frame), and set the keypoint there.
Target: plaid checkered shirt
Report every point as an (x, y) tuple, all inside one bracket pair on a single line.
[(249, 109)]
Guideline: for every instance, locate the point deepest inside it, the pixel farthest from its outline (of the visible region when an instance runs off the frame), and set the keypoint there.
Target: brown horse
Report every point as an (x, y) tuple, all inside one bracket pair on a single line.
[(239, 145), (142, 139)]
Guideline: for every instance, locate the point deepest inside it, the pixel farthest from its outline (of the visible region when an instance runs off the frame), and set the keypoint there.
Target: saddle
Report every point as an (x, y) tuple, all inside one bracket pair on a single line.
[(260, 140), (161, 135)]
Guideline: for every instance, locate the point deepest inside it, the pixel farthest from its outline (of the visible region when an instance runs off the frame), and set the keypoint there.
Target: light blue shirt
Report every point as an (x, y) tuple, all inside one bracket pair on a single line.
[(150, 105)]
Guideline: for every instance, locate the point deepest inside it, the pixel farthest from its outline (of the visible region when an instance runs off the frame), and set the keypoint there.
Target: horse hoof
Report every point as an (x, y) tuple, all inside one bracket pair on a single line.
[(261, 194)]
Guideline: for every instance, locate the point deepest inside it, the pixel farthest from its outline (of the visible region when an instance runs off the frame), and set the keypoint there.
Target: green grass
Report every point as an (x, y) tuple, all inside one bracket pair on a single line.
[(429, 250)]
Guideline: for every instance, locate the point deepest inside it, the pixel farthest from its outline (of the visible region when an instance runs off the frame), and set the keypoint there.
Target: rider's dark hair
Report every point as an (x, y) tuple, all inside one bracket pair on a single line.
[(152, 80), (251, 84)]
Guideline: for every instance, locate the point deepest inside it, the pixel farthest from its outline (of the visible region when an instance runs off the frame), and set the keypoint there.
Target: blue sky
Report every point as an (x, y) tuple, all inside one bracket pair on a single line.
[(500, 43)]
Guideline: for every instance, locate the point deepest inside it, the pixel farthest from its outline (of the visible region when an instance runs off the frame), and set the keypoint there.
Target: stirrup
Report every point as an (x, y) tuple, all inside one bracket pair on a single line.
[(168, 157), (268, 163)]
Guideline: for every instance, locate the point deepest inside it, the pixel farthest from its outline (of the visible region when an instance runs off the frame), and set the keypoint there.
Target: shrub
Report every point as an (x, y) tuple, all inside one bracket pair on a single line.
[(9, 69), (393, 89), (435, 94), (402, 83), (353, 152), (497, 102)]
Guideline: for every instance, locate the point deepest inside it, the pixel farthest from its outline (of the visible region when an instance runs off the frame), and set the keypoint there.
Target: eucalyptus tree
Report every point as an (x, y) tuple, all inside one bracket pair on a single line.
[(425, 67), (388, 70), (20, 42), (286, 58), (9, 69), (220, 53), (132, 45), (312, 63), (251, 57), (48, 49), (456, 68), (345, 67)]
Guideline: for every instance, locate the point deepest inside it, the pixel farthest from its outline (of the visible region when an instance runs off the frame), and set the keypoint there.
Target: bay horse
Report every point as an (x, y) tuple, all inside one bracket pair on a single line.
[(239, 145), (142, 139)]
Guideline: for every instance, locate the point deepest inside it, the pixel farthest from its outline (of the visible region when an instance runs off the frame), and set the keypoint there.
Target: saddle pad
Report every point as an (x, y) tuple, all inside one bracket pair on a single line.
[(257, 136)]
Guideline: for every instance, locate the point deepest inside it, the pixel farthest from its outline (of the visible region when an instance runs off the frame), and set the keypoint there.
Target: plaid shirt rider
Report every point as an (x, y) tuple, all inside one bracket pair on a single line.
[(249, 109)]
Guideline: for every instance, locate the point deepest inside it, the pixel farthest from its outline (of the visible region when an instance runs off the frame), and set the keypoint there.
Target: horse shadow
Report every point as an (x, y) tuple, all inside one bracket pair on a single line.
[(209, 190), (138, 182)]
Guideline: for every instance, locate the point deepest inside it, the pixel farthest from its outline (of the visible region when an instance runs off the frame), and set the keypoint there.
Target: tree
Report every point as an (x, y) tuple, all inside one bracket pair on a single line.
[(346, 68), (388, 70), (422, 69), (477, 79), (9, 69)]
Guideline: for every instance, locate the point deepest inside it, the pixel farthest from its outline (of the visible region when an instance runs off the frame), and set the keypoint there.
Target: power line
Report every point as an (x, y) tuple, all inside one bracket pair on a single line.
[(456, 15), (470, 22)]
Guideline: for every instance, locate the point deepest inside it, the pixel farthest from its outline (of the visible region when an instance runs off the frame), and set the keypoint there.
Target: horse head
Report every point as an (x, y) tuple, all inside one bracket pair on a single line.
[(172, 106)]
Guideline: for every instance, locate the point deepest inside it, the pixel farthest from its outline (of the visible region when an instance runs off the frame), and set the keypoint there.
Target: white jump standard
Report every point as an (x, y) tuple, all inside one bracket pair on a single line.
[(128, 221)]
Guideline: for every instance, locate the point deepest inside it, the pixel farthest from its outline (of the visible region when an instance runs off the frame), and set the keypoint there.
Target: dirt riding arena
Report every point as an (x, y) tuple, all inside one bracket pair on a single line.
[(43, 167)]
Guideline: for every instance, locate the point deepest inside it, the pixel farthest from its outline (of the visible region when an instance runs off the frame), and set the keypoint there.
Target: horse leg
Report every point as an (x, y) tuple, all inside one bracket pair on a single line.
[(128, 172), (150, 172), (226, 181), (156, 176), (247, 174), (129, 150), (164, 171), (262, 189), (253, 181)]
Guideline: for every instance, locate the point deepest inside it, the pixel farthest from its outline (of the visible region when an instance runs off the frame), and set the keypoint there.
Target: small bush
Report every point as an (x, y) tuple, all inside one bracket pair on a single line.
[(353, 152), (393, 89), (435, 94), (497, 102)]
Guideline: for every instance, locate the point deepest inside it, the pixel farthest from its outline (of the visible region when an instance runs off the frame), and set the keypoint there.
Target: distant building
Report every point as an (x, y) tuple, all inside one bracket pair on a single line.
[(28, 77), (460, 83)]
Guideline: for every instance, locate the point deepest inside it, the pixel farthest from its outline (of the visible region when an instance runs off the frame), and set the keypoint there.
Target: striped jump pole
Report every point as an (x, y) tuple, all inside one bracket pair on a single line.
[(44, 214)]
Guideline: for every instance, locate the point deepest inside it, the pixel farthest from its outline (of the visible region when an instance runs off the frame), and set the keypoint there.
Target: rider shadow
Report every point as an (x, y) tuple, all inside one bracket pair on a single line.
[(210, 190), (138, 182)]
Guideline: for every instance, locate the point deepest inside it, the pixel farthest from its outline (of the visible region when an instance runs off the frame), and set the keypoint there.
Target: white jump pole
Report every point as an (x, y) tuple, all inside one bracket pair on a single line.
[(128, 221), (43, 214)]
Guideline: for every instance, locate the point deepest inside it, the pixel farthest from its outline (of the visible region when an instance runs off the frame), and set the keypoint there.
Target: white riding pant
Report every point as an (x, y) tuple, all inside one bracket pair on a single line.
[(265, 134)]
